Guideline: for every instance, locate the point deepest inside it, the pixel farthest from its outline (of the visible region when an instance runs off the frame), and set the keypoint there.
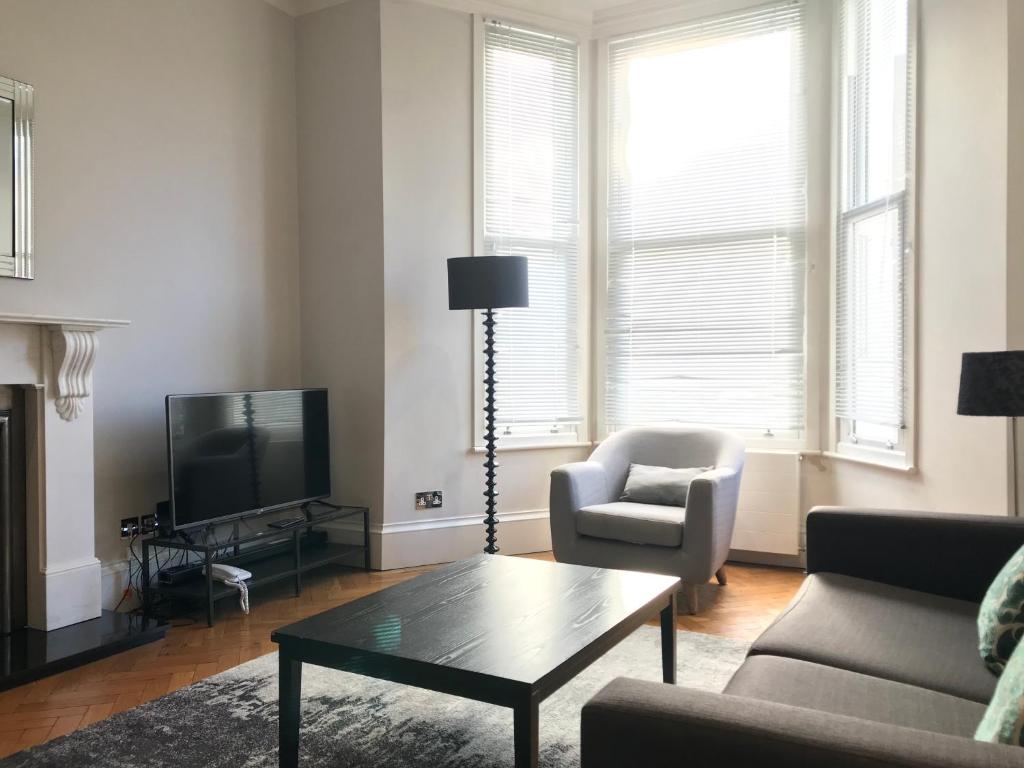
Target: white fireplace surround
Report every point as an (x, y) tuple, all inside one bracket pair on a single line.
[(52, 358)]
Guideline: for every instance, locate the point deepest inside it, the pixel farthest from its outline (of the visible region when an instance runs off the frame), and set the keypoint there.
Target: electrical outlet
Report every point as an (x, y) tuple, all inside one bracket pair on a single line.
[(428, 499), (129, 527), (148, 524)]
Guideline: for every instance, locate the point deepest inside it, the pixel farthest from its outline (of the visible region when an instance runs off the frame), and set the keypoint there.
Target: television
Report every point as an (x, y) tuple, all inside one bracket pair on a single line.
[(233, 454)]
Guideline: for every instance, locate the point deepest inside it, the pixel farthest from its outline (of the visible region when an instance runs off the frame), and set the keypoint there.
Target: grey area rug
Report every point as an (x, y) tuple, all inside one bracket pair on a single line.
[(230, 720)]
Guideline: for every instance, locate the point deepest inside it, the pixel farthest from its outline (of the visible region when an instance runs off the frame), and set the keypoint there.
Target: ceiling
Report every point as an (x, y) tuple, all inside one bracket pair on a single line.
[(577, 13)]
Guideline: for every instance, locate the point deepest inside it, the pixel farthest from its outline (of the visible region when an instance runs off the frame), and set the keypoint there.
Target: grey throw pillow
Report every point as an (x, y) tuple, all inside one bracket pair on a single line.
[(659, 485)]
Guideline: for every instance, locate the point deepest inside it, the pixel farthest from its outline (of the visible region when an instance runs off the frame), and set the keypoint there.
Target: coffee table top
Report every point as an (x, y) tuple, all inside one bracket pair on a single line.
[(506, 618)]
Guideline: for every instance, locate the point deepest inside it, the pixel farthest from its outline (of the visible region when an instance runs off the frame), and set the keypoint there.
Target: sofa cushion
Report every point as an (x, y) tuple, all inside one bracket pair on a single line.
[(632, 522), (1001, 616), (889, 632), (840, 692)]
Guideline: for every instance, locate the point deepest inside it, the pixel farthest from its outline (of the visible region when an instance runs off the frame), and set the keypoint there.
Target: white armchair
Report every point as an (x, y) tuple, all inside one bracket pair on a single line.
[(590, 526)]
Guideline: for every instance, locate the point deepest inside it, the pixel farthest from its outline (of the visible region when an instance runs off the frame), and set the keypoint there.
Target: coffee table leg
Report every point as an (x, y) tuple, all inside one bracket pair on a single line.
[(668, 641), (527, 734), (290, 683)]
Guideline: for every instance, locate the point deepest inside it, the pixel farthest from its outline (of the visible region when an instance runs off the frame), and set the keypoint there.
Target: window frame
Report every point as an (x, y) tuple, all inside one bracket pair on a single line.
[(843, 441), (823, 432), (530, 436), (816, 174)]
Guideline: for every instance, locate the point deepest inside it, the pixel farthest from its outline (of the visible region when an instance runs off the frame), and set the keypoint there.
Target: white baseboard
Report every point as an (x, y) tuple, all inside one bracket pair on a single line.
[(768, 558), (71, 594), (403, 544), (442, 540), (113, 582)]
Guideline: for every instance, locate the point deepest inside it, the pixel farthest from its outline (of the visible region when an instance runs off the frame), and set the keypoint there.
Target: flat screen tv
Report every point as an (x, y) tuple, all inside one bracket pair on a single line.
[(233, 454)]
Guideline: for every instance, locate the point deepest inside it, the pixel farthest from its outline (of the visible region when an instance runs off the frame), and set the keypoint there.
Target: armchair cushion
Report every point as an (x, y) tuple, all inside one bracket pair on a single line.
[(888, 632), (659, 485), (634, 523), (827, 689)]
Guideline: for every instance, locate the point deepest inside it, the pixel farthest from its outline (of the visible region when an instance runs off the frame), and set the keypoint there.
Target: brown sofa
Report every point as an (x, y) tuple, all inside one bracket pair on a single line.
[(874, 663)]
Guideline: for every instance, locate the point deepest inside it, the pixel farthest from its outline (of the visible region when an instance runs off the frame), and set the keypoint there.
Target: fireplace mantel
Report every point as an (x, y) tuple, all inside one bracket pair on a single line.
[(51, 358), (73, 343), (71, 323)]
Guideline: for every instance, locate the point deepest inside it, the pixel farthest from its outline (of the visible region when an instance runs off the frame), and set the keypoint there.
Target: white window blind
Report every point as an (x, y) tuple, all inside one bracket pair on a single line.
[(706, 224), (531, 208), (871, 225)]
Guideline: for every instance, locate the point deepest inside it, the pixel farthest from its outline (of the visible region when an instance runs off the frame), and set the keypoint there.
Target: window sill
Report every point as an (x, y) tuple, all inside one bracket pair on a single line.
[(531, 447), (897, 463)]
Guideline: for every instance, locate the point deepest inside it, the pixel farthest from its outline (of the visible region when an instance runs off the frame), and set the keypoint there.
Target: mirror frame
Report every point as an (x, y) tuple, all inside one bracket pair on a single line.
[(22, 96)]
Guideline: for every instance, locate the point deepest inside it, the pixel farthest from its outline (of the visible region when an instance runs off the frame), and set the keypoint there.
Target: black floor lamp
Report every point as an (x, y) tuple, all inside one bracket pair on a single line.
[(489, 283), (992, 384)]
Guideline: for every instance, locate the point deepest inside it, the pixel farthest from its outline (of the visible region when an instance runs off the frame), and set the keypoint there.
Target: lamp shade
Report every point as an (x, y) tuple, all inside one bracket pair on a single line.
[(992, 384), (488, 282)]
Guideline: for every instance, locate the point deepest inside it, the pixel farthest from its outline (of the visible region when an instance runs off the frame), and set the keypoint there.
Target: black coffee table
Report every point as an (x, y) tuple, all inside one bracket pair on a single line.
[(503, 630)]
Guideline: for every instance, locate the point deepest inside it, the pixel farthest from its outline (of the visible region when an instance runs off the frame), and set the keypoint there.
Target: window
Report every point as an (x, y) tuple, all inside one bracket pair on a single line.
[(872, 241), (704, 316), (529, 192)]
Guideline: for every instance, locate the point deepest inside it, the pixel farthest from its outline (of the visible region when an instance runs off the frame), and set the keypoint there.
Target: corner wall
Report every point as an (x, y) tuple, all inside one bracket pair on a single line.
[(961, 270), (342, 231), (165, 194)]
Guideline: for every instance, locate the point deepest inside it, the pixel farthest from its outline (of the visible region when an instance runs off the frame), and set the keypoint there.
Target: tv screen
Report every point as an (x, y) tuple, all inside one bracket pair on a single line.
[(232, 454)]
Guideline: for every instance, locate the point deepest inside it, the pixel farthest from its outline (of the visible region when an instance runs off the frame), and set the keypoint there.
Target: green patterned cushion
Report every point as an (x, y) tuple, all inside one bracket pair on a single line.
[(1004, 719), (1001, 618)]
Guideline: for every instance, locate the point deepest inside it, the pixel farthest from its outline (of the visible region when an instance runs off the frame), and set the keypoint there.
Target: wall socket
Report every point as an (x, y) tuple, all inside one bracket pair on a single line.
[(129, 527), (428, 500)]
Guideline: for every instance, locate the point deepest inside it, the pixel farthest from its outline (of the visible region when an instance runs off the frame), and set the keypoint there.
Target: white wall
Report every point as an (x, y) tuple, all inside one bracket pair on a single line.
[(962, 270), (341, 220), (385, 193), (165, 193), (427, 71)]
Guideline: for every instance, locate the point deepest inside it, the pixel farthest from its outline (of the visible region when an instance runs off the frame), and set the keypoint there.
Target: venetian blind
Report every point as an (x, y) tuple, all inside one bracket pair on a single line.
[(706, 224), (871, 223), (531, 208)]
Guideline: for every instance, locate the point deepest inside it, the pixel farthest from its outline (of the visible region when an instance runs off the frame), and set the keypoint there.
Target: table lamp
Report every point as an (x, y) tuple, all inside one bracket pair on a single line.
[(992, 384)]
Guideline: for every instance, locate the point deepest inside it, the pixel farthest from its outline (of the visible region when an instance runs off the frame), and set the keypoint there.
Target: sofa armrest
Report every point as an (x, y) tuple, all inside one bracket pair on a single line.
[(710, 517), (952, 555), (637, 723)]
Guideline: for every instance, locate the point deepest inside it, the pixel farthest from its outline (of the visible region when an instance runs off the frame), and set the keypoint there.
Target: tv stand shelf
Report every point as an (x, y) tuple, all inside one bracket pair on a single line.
[(270, 556)]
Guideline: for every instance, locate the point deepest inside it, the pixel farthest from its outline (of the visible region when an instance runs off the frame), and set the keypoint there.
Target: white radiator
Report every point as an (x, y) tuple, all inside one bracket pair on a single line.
[(768, 517)]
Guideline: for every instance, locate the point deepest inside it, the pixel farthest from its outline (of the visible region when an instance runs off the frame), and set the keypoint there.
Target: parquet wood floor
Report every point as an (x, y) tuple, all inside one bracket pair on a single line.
[(57, 705)]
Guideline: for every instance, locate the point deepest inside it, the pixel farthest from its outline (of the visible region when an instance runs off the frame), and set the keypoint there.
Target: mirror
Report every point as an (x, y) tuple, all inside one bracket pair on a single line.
[(15, 179), (7, 188)]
